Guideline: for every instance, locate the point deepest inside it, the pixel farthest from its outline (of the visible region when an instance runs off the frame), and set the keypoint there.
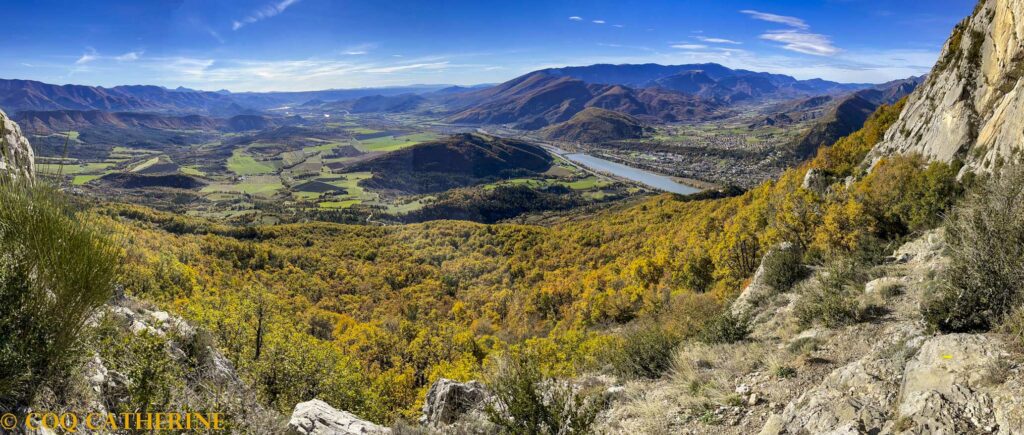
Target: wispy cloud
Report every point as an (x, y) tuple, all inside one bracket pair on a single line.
[(717, 40), (798, 38), (391, 69), (618, 26), (689, 46), (802, 42), (263, 13), (575, 18), (215, 35), (130, 56), (358, 50), (88, 56), (780, 19), (598, 21)]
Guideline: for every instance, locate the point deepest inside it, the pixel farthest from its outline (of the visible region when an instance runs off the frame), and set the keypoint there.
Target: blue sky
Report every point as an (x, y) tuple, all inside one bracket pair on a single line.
[(261, 45)]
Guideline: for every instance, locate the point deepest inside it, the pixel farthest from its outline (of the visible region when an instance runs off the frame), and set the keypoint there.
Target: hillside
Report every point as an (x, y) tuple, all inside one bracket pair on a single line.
[(388, 104), (595, 125), (456, 161), (850, 113), (875, 288)]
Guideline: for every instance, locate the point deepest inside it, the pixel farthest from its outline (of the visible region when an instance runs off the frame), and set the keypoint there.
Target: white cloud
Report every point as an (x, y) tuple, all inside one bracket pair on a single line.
[(802, 42), (397, 68), (780, 19), (88, 56), (618, 25), (598, 21), (689, 46), (358, 50), (130, 56), (575, 18), (263, 13), (717, 40)]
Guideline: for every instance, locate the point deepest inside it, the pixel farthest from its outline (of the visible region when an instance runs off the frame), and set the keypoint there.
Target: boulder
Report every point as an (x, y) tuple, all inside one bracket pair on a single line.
[(316, 417), (946, 385), (448, 400)]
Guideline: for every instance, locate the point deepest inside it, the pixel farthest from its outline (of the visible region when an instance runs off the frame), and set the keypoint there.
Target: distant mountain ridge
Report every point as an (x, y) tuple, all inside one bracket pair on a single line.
[(539, 99), (60, 121), (21, 95), (710, 79), (850, 113), (668, 93)]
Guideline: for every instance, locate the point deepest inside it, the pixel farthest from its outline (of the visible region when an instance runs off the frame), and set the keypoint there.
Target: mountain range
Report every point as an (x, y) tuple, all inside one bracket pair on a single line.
[(668, 93)]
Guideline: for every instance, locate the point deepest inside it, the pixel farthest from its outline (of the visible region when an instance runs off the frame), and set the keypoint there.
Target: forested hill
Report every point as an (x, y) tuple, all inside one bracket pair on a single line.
[(459, 160)]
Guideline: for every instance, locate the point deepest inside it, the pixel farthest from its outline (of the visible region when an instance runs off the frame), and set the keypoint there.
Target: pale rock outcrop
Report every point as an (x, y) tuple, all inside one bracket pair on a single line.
[(816, 181), (950, 385), (316, 417), (855, 398), (447, 401), (16, 154), (970, 105)]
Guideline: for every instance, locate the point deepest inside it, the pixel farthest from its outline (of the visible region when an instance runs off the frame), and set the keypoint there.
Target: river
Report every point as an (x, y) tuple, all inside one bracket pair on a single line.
[(647, 178)]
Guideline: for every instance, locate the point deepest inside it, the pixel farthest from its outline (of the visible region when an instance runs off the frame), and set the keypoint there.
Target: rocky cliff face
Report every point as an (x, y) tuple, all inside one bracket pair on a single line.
[(970, 105), (15, 152)]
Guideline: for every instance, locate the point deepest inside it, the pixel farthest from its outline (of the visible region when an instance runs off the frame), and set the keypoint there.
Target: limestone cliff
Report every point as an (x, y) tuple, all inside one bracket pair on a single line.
[(970, 106), (15, 152)]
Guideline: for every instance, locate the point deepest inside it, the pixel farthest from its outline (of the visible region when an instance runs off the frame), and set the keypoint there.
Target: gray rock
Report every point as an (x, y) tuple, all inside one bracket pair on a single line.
[(970, 105), (448, 400), (316, 417), (16, 156), (858, 396), (816, 181), (944, 385)]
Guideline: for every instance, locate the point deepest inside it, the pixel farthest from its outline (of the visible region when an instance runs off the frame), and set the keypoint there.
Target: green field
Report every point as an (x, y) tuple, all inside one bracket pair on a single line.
[(72, 169), (392, 143), (244, 164), (82, 179), (189, 170), (142, 166), (363, 130), (254, 185), (339, 204)]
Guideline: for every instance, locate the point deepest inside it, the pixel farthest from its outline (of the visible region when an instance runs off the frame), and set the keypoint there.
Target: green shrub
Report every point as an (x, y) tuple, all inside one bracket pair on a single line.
[(151, 374), (784, 372), (985, 235), (528, 402), (836, 297), (783, 267), (643, 351), (55, 270), (726, 328)]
